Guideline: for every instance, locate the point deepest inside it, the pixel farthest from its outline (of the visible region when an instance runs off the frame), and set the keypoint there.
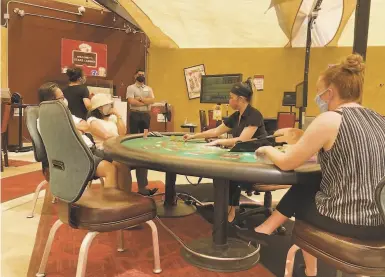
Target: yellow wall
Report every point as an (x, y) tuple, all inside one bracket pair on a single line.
[(283, 69), (4, 38), (374, 93)]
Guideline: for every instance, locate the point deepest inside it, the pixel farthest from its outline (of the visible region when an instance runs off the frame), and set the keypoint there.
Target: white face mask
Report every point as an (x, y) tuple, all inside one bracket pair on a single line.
[(322, 105), (64, 101), (106, 109)]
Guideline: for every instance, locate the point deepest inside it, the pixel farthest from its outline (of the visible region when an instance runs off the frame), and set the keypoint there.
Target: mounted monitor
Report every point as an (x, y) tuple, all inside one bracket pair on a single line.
[(289, 98), (216, 88), (301, 100)]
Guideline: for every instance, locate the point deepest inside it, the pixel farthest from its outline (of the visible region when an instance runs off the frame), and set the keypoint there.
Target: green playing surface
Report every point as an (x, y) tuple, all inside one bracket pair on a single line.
[(190, 149)]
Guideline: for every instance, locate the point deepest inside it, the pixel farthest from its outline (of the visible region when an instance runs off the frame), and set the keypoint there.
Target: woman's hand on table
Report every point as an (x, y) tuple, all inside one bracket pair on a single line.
[(188, 137), (288, 135), (221, 142), (261, 151), (214, 143)]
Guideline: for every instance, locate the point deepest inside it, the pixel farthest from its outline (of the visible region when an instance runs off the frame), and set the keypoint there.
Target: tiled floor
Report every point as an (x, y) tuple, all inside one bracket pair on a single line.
[(18, 232)]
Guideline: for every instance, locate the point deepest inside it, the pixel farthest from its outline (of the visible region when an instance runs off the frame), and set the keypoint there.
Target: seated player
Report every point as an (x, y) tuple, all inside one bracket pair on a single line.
[(51, 91), (246, 123), (106, 122), (350, 142)]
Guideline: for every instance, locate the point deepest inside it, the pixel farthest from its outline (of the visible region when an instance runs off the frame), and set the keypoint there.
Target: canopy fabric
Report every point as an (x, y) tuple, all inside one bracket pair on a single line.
[(250, 23)]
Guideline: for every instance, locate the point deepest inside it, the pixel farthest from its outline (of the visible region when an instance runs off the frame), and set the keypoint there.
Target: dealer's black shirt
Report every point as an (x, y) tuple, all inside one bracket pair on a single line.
[(74, 96), (250, 117)]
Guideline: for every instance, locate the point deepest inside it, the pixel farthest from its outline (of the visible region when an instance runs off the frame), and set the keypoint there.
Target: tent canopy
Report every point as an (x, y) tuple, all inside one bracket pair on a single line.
[(250, 23)]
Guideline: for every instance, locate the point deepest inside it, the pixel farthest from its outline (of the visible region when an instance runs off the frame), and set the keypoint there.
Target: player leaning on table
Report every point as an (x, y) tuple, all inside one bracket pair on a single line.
[(246, 123), (350, 142)]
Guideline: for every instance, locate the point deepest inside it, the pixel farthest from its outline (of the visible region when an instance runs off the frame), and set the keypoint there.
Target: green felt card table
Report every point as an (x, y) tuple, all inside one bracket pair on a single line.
[(171, 155)]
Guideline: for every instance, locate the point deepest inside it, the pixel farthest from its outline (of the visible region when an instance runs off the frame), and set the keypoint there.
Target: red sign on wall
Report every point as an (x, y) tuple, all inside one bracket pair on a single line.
[(92, 57)]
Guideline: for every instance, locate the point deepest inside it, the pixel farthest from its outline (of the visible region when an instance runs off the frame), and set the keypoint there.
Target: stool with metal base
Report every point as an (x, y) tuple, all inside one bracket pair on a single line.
[(362, 258)]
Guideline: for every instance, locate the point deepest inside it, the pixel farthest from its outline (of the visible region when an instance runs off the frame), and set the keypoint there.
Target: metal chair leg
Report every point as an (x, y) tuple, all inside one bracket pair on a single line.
[(121, 241), (83, 254), (35, 197), (339, 273), (290, 261), (155, 244), (6, 162), (47, 249), (54, 200)]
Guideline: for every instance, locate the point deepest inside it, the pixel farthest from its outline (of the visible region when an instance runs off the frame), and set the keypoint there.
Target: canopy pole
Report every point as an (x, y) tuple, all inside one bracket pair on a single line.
[(312, 18), (361, 27)]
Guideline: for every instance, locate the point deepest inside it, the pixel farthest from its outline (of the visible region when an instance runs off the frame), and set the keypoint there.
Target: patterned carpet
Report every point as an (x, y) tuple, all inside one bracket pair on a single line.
[(20, 185), (104, 260), (17, 163)]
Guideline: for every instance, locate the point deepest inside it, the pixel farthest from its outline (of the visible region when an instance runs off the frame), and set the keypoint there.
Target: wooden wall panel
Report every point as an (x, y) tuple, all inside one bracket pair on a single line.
[(35, 49)]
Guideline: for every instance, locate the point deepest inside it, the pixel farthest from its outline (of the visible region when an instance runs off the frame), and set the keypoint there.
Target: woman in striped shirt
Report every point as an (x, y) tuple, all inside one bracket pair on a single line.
[(350, 142)]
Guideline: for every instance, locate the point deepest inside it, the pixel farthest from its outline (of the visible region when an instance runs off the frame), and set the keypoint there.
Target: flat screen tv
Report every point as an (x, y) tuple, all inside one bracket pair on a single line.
[(216, 88)]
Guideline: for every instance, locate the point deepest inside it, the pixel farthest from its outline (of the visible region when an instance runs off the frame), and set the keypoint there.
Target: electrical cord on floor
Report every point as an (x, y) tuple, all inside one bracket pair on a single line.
[(199, 181), (171, 233)]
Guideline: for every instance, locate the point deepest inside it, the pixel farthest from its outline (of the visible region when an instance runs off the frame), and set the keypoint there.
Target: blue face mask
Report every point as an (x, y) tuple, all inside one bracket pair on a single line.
[(322, 105)]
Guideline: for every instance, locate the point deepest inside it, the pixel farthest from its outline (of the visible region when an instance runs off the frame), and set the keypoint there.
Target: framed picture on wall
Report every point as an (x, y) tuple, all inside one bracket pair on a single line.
[(193, 77)]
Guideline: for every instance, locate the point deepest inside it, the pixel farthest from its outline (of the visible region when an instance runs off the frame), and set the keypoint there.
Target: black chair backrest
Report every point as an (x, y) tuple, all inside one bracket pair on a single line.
[(203, 120), (31, 116), (380, 198), (71, 162)]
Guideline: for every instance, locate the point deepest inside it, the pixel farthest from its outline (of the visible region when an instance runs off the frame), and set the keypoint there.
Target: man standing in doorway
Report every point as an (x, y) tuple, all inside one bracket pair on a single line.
[(139, 98)]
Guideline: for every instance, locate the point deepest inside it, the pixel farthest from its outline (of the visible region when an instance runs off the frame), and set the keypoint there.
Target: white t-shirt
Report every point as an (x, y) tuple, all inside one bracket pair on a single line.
[(77, 120), (110, 125)]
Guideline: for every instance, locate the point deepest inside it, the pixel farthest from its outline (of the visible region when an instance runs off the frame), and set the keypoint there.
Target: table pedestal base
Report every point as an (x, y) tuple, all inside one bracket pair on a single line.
[(236, 255), (179, 210)]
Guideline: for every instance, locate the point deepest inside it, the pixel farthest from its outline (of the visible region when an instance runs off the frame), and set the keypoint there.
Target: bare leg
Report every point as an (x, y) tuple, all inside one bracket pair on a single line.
[(231, 212), (271, 223), (123, 176), (311, 264), (108, 171)]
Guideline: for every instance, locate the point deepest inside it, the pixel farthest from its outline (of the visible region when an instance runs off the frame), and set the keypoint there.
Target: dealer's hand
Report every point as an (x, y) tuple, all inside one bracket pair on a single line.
[(214, 142), (187, 137)]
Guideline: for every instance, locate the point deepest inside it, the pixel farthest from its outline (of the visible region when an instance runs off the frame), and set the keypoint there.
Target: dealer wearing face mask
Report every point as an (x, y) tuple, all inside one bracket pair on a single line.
[(350, 142), (106, 122), (139, 97)]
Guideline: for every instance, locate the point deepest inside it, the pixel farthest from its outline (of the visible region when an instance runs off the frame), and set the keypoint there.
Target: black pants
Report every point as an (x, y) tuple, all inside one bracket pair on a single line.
[(139, 121), (235, 189), (299, 201)]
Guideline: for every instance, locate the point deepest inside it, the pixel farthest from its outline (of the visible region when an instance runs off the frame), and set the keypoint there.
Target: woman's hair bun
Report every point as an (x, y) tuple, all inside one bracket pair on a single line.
[(70, 71), (354, 63), (74, 73)]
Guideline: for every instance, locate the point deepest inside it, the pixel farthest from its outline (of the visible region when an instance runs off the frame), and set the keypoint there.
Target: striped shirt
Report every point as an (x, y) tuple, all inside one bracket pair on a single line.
[(352, 169)]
